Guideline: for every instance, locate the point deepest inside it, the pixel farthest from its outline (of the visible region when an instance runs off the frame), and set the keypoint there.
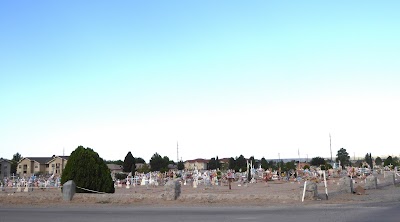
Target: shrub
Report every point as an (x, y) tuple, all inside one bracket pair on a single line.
[(88, 170)]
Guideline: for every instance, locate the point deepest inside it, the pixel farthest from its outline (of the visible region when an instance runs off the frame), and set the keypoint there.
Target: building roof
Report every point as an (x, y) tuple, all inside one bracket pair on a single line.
[(112, 166), (54, 157), (199, 160), (4, 160), (42, 160)]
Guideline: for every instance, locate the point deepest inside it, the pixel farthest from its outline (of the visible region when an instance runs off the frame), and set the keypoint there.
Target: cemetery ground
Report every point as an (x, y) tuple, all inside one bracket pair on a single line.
[(260, 194)]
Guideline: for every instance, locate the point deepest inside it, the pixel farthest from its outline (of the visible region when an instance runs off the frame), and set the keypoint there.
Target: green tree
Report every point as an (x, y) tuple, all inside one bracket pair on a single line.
[(139, 160), (317, 161), (181, 165), (218, 163), (264, 163), (212, 164), (88, 170), (368, 159), (378, 161), (343, 156), (14, 162), (241, 164), (390, 161), (290, 165), (156, 162), (232, 163), (252, 160), (118, 162), (129, 163)]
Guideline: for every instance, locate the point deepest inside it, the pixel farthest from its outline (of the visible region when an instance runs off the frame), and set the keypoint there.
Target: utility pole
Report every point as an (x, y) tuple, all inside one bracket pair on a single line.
[(177, 152), (330, 145)]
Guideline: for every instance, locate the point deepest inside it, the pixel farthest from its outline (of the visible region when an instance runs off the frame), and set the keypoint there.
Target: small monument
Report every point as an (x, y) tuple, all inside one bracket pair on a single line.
[(172, 190), (371, 182), (69, 189), (346, 184)]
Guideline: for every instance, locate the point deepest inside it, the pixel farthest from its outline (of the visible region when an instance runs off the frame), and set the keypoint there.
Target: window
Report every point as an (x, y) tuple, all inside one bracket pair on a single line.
[(47, 165), (36, 166), (19, 166), (52, 165)]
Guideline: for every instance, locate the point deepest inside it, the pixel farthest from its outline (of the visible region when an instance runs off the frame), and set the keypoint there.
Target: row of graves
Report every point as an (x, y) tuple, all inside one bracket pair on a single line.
[(28, 184)]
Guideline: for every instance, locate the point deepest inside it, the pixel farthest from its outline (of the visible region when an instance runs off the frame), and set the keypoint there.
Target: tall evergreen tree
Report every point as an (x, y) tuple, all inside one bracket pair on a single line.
[(14, 162), (88, 170), (129, 163)]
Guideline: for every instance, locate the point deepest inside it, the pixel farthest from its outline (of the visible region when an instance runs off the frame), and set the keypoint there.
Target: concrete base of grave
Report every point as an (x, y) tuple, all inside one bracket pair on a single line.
[(371, 182), (346, 185)]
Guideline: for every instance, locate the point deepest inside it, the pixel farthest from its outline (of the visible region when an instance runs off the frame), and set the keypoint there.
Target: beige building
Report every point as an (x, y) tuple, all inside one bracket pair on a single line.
[(29, 166), (5, 168), (56, 165), (115, 169), (199, 164)]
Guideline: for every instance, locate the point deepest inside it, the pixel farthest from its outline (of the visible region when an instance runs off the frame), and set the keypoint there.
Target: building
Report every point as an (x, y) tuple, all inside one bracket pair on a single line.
[(56, 165), (115, 169), (29, 166), (5, 168), (199, 164)]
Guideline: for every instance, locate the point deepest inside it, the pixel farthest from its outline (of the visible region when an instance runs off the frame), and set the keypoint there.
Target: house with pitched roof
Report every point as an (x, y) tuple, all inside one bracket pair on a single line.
[(199, 164), (29, 166), (5, 168)]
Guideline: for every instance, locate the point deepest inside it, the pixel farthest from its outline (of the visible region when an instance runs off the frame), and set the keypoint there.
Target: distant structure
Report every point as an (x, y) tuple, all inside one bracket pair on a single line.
[(177, 152), (330, 146)]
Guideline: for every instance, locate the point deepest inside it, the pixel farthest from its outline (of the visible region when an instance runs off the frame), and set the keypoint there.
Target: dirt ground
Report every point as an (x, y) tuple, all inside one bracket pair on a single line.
[(272, 193)]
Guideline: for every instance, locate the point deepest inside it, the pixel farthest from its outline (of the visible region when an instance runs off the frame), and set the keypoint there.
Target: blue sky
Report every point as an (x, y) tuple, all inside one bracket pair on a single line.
[(221, 77)]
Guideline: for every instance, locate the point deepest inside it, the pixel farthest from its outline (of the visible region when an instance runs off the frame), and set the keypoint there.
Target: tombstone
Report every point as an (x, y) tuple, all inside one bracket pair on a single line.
[(69, 190), (26, 189), (172, 190), (311, 191), (345, 185), (195, 183), (2, 187), (390, 178), (371, 182), (18, 187), (143, 182), (127, 184)]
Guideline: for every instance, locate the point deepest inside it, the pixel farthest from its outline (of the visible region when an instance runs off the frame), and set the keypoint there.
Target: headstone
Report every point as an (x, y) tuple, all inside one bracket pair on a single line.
[(26, 189), (69, 190), (390, 178), (172, 190), (311, 191), (345, 185), (359, 190), (371, 182)]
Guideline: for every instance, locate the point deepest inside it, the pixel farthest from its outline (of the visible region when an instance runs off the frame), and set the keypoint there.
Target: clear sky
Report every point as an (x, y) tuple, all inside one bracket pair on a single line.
[(258, 78)]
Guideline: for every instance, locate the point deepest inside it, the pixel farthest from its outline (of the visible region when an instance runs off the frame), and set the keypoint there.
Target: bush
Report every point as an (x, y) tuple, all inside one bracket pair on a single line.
[(88, 170)]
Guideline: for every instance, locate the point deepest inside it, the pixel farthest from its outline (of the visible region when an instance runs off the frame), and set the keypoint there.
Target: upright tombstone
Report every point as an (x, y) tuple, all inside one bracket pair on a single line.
[(69, 190), (390, 178), (172, 190), (26, 189), (346, 185), (311, 191), (371, 182)]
